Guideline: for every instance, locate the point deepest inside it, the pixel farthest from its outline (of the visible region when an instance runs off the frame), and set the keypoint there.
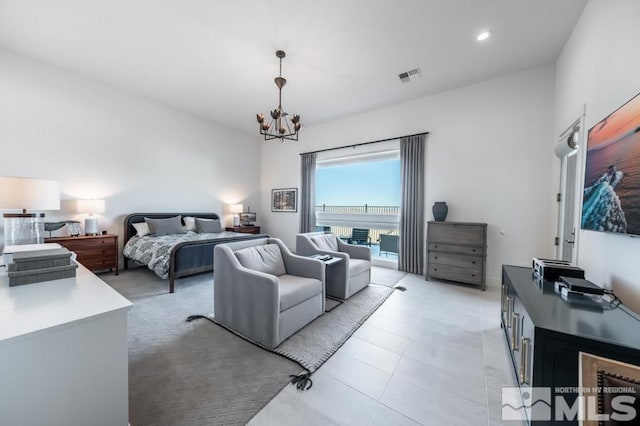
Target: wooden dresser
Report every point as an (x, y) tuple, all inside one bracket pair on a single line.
[(95, 252), (244, 229), (457, 251)]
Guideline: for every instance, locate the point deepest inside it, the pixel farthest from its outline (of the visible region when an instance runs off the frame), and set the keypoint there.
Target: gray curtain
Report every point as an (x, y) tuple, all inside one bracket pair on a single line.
[(411, 256), (308, 192)]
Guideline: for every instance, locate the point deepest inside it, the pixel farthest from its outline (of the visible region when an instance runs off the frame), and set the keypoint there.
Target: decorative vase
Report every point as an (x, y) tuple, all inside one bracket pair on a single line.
[(440, 210)]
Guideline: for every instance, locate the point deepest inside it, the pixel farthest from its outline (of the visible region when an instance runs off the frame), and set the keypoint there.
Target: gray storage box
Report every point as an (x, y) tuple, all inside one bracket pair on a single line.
[(43, 274), (37, 259)]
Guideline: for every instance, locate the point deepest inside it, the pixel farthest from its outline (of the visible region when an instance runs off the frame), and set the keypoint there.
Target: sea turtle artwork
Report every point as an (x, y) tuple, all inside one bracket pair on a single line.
[(74, 227)]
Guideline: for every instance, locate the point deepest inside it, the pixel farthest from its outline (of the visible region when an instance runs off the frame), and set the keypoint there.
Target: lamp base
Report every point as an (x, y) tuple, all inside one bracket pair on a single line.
[(91, 226), (23, 228)]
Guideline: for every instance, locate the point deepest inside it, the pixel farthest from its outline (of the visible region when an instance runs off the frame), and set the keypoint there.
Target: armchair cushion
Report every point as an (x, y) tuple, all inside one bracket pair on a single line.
[(325, 242), (357, 266), (265, 258), (294, 289)]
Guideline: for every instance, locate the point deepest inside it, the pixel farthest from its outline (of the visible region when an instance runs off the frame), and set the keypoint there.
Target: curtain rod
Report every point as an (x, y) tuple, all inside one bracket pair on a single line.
[(363, 143)]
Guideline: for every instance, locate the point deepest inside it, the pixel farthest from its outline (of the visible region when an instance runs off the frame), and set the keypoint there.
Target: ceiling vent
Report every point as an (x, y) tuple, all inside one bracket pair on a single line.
[(410, 75)]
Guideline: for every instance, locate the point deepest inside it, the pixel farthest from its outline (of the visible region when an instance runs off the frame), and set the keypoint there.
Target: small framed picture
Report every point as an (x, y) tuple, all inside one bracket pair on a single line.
[(284, 200)]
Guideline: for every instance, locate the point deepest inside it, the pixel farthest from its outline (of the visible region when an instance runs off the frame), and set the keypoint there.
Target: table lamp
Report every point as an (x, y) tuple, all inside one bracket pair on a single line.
[(236, 209), (18, 193), (91, 207)]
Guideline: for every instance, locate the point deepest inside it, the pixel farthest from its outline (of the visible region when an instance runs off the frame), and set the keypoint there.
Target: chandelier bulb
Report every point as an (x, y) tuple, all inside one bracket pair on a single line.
[(260, 118)]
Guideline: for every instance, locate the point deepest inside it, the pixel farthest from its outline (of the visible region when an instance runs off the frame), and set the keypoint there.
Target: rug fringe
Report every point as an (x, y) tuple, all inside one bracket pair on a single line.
[(194, 317), (302, 380)]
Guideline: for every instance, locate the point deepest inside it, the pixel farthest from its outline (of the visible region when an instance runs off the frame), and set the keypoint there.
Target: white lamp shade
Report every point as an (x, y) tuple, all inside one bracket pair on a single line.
[(18, 193), (91, 206), (236, 208)]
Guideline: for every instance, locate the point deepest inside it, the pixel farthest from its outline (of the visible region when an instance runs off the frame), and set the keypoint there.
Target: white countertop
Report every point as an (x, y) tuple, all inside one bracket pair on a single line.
[(28, 309)]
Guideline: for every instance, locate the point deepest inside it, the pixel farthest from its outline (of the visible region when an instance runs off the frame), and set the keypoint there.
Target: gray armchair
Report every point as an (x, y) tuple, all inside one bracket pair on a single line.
[(265, 292), (345, 278)]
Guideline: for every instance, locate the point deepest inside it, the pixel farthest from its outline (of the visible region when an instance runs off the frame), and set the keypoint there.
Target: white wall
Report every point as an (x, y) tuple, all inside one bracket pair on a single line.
[(487, 157), (599, 67), (99, 142)]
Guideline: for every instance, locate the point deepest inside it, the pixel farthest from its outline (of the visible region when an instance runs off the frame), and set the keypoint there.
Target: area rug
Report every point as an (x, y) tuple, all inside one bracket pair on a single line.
[(193, 373)]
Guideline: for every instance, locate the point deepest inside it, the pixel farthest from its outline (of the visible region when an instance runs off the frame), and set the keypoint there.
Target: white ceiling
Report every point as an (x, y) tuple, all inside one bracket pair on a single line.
[(217, 58)]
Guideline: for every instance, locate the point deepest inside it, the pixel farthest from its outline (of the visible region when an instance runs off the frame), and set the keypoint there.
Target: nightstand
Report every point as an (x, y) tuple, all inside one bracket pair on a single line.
[(245, 229), (95, 252)]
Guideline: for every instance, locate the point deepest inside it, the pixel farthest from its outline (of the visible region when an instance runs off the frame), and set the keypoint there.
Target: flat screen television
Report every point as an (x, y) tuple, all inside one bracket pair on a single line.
[(611, 198), (247, 218)]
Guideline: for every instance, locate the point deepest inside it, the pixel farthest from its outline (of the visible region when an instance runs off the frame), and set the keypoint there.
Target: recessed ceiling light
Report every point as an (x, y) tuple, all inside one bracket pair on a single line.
[(484, 35)]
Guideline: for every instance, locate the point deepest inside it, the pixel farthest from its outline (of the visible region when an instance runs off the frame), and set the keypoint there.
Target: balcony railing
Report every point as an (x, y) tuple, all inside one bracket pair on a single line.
[(359, 209), (342, 219)]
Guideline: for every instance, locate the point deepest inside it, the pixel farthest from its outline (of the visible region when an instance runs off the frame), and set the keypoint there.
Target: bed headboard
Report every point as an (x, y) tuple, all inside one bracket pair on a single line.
[(130, 231)]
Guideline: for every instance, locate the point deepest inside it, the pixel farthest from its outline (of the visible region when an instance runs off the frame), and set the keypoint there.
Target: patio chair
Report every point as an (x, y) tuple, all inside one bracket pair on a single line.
[(389, 244), (360, 236)]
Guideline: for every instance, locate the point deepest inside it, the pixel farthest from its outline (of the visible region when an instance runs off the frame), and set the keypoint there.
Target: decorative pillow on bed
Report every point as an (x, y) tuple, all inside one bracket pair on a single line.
[(207, 226), (172, 225), (189, 223), (266, 258), (142, 229)]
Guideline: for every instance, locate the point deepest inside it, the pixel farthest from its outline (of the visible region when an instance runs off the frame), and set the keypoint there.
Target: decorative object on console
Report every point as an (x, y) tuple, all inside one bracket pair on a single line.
[(282, 126), (34, 266), (552, 269), (440, 210), (284, 200), (18, 193), (236, 209), (73, 225), (91, 207)]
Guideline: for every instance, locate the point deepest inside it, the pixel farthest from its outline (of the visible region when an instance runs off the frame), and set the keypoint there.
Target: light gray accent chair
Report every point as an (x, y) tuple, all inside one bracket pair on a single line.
[(265, 292), (343, 279)]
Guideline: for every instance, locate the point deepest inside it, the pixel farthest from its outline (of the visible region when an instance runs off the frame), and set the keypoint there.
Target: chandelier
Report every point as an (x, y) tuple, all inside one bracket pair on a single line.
[(282, 125)]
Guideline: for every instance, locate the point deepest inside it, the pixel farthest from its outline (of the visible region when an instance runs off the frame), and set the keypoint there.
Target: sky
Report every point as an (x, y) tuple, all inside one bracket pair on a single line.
[(622, 122), (376, 183)]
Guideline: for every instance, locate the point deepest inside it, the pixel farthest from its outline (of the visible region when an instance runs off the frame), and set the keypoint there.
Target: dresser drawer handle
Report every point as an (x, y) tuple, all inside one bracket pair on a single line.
[(435, 269), (473, 275), (473, 250), (435, 257), (473, 261), (436, 246)]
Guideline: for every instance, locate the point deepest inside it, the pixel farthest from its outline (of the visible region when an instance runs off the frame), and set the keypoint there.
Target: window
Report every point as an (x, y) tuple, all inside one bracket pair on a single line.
[(359, 191)]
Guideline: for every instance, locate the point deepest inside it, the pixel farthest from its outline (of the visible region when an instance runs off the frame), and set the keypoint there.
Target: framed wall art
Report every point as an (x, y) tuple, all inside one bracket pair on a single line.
[(284, 200)]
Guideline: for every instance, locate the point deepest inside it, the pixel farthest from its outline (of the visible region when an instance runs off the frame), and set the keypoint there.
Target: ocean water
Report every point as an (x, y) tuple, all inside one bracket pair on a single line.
[(625, 156)]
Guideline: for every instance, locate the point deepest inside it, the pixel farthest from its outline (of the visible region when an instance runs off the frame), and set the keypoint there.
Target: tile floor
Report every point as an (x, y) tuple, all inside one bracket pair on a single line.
[(433, 355)]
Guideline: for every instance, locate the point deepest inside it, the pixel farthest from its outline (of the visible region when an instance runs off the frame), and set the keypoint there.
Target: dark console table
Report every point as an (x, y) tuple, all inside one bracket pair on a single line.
[(546, 334)]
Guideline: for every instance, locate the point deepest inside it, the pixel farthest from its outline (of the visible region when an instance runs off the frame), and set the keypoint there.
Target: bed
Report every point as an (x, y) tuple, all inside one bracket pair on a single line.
[(178, 255)]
